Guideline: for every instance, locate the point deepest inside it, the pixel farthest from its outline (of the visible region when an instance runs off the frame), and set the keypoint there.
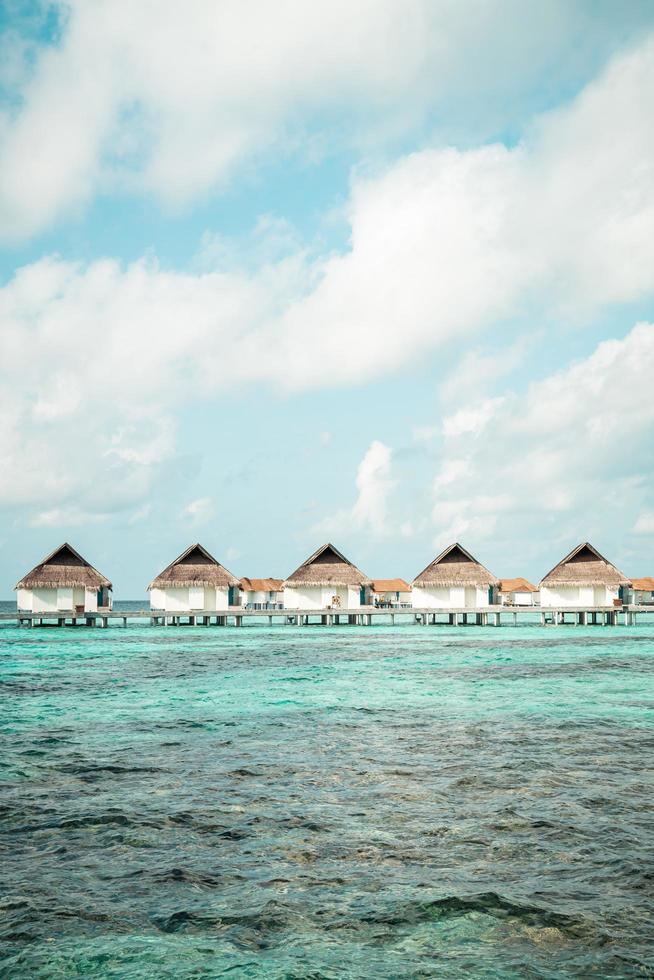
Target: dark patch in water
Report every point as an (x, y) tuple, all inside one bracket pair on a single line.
[(328, 804)]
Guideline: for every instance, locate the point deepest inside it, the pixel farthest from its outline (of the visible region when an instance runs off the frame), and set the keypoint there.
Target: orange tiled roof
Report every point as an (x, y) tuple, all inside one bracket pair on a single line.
[(516, 585), (262, 584), (390, 585), (643, 584)]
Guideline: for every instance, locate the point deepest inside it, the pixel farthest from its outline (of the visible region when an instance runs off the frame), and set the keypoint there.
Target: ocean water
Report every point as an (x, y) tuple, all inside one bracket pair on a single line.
[(327, 803)]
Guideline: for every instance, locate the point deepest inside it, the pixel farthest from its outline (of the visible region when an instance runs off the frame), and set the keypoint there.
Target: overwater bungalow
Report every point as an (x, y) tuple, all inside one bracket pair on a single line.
[(262, 593), (583, 578), (391, 592), (327, 580), (518, 592), (63, 582), (641, 592), (454, 580), (195, 582)]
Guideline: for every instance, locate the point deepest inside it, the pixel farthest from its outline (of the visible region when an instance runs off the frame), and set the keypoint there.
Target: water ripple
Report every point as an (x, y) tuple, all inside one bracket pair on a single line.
[(328, 803)]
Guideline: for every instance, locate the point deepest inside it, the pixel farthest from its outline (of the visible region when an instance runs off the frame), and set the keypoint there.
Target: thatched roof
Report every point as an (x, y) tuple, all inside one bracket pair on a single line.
[(517, 585), (455, 567), (390, 585), (64, 568), (585, 566), (262, 584), (194, 567), (327, 566), (643, 584)]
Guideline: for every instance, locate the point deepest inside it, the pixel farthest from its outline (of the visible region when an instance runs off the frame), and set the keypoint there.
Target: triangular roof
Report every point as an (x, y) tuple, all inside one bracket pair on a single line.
[(454, 567), (643, 584), (390, 585), (585, 566), (517, 585), (194, 567), (262, 584), (64, 568), (327, 566)]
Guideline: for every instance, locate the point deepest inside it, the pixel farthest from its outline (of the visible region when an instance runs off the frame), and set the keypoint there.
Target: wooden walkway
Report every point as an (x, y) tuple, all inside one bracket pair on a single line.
[(365, 616)]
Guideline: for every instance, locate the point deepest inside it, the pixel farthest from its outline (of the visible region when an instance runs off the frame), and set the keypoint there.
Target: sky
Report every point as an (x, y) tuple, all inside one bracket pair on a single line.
[(377, 273)]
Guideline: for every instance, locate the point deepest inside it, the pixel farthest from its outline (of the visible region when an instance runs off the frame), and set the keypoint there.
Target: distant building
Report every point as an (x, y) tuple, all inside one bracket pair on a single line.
[(327, 580), (641, 591), (454, 580), (392, 592), (583, 578), (518, 592), (194, 583), (262, 593), (63, 582)]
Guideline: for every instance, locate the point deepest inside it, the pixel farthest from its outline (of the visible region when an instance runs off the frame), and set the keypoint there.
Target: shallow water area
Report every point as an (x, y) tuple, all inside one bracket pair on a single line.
[(327, 802)]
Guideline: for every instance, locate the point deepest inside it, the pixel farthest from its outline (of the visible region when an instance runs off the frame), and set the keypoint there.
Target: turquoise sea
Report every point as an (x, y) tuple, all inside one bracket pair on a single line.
[(327, 803)]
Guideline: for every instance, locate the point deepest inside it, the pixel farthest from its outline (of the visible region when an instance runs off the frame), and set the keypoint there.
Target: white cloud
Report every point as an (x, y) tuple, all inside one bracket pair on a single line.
[(199, 511), (444, 243), (571, 457), (450, 472), (65, 517), (424, 433), (141, 514), (374, 483), (170, 99), (645, 523), (471, 421)]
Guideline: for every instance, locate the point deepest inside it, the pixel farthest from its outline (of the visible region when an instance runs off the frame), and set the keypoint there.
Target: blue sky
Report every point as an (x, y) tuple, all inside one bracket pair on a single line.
[(273, 275)]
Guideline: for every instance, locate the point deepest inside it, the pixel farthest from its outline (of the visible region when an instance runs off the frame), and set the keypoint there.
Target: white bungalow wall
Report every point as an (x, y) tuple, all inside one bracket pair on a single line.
[(44, 600), (57, 600), (24, 600), (393, 596), (194, 599), (91, 600), (321, 597), (574, 595), (252, 598), (520, 598), (458, 597)]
